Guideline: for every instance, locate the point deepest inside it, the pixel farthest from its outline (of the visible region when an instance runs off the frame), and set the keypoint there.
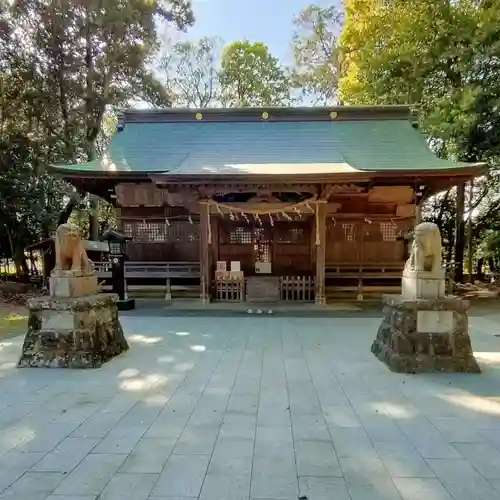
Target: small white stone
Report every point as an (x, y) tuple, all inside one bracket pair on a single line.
[(270, 311), (250, 311), (259, 311)]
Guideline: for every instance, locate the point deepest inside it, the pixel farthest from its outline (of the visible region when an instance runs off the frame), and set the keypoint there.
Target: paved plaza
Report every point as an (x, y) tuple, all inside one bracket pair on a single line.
[(235, 408)]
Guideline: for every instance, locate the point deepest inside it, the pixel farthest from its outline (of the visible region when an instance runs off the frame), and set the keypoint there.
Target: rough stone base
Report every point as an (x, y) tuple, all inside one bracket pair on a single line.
[(425, 335), (79, 332)]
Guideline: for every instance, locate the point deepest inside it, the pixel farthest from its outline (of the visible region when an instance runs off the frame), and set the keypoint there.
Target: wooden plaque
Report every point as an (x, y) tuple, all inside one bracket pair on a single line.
[(263, 289)]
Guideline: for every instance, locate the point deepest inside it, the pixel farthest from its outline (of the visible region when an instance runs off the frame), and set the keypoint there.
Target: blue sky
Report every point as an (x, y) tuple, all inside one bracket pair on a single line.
[(269, 21)]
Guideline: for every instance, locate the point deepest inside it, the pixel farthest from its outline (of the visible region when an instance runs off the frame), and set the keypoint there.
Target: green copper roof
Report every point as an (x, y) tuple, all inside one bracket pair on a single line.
[(220, 143)]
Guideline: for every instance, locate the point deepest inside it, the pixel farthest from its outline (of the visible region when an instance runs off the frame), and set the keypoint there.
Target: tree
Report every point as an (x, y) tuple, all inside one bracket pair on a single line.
[(63, 66), (251, 76), (94, 54), (442, 55), (190, 71), (316, 53)]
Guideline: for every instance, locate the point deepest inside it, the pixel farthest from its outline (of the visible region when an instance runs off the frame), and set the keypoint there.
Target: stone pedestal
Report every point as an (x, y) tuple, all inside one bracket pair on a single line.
[(423, 284), (73, 286), (425, 335), (72, 332)]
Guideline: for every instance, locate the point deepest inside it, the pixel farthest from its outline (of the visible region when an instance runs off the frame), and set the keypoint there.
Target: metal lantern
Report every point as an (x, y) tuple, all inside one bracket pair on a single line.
[(117, 253)]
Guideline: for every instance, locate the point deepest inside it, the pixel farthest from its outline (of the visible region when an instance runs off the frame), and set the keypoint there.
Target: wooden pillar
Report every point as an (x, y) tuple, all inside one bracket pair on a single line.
[(118, 215), (94, 228), (320, 241), (359, 236), (214, 221), (205, 243)]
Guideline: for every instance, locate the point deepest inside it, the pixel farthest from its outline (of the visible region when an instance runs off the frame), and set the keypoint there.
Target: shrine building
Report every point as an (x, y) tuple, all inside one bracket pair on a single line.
[(272, 204)]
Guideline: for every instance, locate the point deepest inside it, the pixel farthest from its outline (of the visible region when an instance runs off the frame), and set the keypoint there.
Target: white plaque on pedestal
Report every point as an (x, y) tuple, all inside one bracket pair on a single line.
[(435, 321), (263, 267), (221, 265), (235, 265)]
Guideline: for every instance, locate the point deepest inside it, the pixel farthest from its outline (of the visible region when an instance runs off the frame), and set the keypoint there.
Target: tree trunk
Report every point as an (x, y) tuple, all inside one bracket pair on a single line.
[(90, 105), (94, 218), (22, 269), (491, 265), (66, 213), (480, 263), (470, 236), (460, 234), (449, 245)]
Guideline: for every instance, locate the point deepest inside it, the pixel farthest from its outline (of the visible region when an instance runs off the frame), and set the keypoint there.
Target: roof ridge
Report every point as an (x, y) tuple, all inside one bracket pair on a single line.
[(271, 113)]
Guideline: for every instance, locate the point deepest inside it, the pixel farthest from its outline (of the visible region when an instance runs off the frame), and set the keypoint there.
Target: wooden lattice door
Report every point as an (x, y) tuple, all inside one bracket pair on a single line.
[(247, 243)]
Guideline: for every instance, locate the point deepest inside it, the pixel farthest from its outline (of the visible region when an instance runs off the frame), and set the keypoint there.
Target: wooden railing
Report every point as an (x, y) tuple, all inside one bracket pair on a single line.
[(230, 288), (355, 276), (151, 270), (103, 269), (297, 288)]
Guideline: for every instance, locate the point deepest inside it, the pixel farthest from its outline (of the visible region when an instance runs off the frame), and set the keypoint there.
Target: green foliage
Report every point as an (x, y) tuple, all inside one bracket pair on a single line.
[(316, 53), (444, 57), (489, 247), (251, 76), (63, 67)]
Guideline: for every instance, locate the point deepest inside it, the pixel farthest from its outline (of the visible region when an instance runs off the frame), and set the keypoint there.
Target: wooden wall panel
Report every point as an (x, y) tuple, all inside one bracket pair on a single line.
[(155, 240), (365, 241), (343, 241), (292, 247)]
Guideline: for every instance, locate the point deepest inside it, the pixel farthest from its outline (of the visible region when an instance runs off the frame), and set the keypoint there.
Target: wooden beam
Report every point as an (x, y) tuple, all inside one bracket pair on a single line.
[(205, 243), (320, 241)]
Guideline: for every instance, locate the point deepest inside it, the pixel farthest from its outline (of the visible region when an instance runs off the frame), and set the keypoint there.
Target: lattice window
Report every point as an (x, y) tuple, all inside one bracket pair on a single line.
[(147, 231), (292, 235), (388, 231), (182, 232), (240, 236), (159, 231), (128, 229), (348, 231)]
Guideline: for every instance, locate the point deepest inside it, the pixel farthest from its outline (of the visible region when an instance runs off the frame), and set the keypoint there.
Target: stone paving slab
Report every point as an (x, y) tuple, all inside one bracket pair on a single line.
[(251, 408)]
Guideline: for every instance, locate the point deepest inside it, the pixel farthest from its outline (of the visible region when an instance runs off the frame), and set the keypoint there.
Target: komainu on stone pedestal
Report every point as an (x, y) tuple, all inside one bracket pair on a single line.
[(76, 327), (423, 330), (425, 335), (82, 332)]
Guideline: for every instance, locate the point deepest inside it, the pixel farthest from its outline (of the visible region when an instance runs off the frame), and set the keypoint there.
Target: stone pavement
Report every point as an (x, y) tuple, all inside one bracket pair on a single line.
[(250, 407)]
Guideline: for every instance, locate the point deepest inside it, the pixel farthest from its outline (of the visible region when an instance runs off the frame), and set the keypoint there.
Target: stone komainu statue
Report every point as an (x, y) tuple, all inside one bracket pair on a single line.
[(426, 249), (70, 252)]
